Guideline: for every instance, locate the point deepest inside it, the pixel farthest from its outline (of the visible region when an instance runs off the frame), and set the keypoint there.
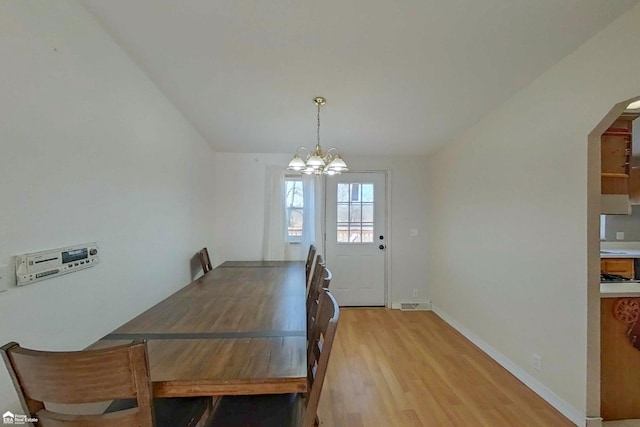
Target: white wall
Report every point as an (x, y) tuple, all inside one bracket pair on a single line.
[(240, 186), (509, 213), (90, 150)]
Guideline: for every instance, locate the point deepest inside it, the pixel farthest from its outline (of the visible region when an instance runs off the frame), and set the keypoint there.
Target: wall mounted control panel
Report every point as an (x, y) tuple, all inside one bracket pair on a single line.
[(42, 265)]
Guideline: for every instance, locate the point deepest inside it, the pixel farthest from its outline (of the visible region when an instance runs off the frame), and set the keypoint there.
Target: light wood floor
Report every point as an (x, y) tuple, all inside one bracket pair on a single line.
[(397, 368)]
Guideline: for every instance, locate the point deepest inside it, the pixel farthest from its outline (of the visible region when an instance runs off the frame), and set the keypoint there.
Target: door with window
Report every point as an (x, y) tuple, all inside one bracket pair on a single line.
[(356, 237)]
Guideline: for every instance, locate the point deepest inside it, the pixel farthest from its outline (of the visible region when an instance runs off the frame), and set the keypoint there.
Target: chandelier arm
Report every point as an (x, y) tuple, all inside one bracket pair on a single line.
[(328, 154), (305, 149)]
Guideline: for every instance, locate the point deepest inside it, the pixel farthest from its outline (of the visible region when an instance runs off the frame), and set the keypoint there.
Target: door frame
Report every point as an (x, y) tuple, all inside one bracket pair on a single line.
[(387, 227)]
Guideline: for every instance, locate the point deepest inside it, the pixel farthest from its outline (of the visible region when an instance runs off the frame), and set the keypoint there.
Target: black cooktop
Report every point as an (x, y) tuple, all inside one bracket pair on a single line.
[(608, 277)]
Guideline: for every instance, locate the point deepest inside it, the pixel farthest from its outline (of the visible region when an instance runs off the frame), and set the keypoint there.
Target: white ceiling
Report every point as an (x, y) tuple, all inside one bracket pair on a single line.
[(400, 77)]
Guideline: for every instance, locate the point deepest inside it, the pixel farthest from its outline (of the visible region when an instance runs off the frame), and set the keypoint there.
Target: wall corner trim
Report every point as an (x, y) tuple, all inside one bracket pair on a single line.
[(573, 414)]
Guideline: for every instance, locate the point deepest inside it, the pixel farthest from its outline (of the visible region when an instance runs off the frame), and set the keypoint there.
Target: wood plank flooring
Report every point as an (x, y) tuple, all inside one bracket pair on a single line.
[(396, 368)]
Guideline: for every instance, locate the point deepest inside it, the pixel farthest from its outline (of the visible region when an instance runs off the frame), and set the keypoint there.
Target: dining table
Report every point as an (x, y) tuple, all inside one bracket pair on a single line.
[(238, 329)]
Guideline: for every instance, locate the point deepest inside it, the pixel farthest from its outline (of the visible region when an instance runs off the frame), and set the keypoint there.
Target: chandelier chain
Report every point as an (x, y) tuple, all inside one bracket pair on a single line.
[(318, 126)]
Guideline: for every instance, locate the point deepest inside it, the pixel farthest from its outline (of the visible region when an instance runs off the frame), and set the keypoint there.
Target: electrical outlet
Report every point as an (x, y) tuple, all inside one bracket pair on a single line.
[(415, 292), (619, 235), (413, 232), (537, 362)]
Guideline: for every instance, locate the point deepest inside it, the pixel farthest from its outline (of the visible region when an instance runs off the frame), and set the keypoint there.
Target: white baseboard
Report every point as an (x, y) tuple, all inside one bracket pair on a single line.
[(576, 416)]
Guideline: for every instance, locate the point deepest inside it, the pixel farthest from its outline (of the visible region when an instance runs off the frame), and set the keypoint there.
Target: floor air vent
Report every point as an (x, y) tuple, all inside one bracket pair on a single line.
[(415, 306)]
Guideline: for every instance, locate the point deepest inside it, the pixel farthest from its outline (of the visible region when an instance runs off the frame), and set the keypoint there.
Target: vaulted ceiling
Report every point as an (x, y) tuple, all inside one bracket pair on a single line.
[(400, 77)]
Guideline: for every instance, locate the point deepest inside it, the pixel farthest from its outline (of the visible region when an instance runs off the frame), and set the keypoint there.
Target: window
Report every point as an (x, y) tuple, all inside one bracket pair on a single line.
[(355, 212), (294, 206)]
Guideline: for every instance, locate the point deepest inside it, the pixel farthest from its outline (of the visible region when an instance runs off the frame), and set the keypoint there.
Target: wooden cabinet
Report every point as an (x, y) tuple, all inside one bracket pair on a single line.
[(622, 266), (634, 185), (619, 360), (616, 174), (615, 156)]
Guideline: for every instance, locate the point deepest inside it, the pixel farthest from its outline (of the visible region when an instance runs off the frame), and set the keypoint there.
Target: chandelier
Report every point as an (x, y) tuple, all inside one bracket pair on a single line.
[(318, 162)]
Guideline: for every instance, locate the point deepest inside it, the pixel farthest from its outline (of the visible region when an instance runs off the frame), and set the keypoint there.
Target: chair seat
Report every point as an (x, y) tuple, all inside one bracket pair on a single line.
[(269, 410), (170, 411)]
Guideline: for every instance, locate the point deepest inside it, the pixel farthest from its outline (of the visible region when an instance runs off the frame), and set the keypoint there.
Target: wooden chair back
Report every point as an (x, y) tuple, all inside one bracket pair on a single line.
[(315, 285), (319, 349), (316, 278), (80, 377), (205, 261), (313, 302), (310, 258)]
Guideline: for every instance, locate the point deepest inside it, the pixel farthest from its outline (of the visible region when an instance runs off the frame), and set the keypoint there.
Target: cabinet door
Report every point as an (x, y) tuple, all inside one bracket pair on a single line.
[(615, 151), (622, 266), (614, 155)]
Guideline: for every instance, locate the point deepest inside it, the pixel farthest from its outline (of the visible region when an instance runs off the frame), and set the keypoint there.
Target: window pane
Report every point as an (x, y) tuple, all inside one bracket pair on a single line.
[(367, 233), (354, 236), (343, 233), (356, 213), (343, 212), (343, 192), (367, 192), (288, 193), (294, 205), (295, 222), (355, 192), (367, 213), (298, 199)]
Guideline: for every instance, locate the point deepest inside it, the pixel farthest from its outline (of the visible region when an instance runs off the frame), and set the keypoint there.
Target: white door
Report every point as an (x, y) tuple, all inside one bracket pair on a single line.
[(356, 237)]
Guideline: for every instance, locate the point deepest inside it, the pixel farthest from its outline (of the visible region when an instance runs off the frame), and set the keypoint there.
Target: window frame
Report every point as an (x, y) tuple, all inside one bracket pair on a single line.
[(356, 199), (297, 179)]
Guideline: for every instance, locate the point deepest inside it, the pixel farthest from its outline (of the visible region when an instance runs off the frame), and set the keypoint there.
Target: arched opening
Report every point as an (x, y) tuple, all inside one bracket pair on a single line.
[(594, 206)]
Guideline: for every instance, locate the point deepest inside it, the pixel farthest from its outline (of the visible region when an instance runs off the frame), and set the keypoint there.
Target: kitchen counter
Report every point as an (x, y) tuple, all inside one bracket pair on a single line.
[(619, 290), (619, 253)]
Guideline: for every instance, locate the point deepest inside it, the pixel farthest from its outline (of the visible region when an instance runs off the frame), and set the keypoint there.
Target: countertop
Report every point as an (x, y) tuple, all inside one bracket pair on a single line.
[(619, 253), (619, 290)]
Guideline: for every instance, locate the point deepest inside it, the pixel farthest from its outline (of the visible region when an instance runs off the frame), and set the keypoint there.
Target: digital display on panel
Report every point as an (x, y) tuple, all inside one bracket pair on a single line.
[(75, 255)]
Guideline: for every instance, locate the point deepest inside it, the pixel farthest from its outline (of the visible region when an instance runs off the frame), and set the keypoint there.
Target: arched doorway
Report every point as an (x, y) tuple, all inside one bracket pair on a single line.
[(593, 403)]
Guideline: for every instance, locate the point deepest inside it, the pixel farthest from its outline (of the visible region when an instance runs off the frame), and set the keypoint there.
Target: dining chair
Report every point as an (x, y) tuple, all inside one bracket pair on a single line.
[(310, 258), (313, 299), (310, 275), (313, 288), (287, 410), (315, 275), (205, 261), (45, 379)]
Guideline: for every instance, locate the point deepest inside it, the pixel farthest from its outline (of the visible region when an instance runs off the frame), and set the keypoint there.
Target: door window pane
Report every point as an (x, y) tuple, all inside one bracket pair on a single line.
[(355, 212), (343, 192), (367, 193), (355, 192), (367, 212), (355, 215), (343, 212)]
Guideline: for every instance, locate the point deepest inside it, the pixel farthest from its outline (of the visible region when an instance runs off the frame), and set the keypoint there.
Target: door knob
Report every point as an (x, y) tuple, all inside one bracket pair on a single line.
[(381, 247)]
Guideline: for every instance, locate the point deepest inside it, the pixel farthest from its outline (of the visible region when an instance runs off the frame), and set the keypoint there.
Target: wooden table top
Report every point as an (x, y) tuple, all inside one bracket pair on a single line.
[(239, 329)]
